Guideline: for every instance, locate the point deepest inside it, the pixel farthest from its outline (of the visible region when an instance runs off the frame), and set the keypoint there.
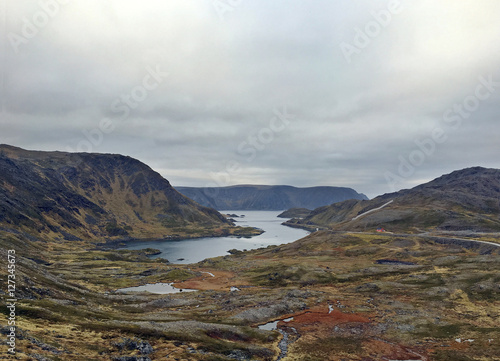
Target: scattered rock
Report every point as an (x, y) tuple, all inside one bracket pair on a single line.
[(135, 344)]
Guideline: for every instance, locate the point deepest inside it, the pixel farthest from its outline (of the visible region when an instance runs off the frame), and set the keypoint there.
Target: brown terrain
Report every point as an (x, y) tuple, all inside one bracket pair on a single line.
[(425, 291), (351, 296)]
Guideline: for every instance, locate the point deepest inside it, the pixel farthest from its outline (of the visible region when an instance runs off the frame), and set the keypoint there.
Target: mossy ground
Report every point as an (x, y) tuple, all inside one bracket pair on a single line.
[(431, 295)]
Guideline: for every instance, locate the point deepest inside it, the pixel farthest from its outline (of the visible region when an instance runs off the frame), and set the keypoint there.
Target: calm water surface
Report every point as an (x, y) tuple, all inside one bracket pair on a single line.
[(195, 250), (159, 288)]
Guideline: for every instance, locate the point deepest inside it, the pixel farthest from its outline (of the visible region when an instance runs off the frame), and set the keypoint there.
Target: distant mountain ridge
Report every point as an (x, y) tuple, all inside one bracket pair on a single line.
[(467, 199), (266, 197), (89, 196)]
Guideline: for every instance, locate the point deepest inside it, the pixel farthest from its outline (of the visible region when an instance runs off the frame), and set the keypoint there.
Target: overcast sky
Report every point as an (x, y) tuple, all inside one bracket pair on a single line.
[(374, 95)]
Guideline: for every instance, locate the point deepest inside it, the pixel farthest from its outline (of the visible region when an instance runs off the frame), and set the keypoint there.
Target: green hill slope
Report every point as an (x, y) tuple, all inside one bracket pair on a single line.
[(468, 199), (91, 196)]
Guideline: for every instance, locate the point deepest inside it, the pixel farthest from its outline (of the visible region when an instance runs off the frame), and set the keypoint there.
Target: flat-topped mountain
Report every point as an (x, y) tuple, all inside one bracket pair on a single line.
[(265, 197), (81, 195), (467, 199)]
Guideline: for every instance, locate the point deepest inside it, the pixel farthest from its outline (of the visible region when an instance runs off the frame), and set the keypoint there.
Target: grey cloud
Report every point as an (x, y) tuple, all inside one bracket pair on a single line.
[(353, 121)]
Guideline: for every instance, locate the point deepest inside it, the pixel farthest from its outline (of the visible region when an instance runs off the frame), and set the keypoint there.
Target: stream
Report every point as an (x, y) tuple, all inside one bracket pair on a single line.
[(290, 335)]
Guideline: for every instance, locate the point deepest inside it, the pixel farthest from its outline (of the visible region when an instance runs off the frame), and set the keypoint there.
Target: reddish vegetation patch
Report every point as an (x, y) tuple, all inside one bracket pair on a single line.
[(319, 318), (317, 324)]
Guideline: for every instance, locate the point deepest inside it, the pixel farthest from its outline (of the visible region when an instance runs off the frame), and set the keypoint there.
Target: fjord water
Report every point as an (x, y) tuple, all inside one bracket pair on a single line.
[(195, 250)]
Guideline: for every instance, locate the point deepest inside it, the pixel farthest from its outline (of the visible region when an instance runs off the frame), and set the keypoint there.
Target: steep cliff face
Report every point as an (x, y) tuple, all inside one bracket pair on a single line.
[(467, 199), (80, 195), (257, 197)]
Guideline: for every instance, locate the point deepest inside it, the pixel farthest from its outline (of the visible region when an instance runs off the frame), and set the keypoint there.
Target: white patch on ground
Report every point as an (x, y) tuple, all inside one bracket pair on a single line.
[(158, 288)]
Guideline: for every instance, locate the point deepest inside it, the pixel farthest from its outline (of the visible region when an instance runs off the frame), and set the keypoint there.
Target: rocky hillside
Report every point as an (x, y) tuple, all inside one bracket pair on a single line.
[(468, 199), (328, 296), (88, 196), (259, 197)]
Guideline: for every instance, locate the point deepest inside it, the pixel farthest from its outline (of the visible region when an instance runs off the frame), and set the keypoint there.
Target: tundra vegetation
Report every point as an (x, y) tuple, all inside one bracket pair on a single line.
[(352, 296), (427, 291)]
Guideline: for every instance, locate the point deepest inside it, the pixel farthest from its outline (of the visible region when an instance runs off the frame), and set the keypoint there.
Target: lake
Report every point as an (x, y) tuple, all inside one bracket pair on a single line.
[(196, 250)]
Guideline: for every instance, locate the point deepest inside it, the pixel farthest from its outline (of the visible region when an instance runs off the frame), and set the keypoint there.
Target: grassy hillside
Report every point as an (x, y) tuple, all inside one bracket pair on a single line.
[(95, 196), (332, 295), (466, 200)]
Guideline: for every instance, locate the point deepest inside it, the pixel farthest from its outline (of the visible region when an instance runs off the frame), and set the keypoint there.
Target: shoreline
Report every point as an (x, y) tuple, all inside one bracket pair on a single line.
[(119, 243)]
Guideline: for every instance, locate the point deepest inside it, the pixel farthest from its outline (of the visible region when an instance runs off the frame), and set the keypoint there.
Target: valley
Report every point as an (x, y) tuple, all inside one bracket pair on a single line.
[(232, 180), (351, 295), (407, 276)]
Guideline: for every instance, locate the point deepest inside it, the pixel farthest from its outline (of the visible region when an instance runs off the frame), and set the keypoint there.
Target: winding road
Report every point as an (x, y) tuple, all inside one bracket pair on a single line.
[(427, 234), (372, 210), (441, 239)]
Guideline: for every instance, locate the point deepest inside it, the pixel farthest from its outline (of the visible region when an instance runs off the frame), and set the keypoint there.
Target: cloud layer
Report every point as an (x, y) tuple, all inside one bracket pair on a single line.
[(374, 95)]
